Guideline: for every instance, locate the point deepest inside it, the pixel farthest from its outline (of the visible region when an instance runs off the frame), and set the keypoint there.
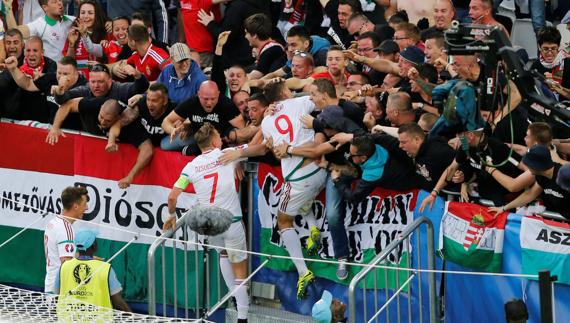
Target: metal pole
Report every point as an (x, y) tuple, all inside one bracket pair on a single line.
[(151, 282), (434, 313), (545, 292)]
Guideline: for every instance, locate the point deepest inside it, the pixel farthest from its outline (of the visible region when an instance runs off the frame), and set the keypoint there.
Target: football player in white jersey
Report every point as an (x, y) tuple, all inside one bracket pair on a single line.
[(215, 184), (303, 178), (58, 236)]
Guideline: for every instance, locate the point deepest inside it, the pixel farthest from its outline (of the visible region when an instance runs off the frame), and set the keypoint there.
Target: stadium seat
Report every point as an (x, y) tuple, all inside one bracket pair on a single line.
[(507, 9), (523, 35), (507, 5)]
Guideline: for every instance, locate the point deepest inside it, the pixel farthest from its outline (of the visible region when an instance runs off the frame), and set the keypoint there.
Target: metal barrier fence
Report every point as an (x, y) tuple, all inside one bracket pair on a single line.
[(454, 196), (401, 243), (201, 309), (160, 245)]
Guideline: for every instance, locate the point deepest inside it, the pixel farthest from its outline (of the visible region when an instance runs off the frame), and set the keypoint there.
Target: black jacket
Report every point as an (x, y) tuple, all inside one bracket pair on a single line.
[(237, 49), (396, 176), (431, 161)]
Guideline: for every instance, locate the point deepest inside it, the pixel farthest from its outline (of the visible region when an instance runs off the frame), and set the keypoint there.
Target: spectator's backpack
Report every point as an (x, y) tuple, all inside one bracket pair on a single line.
[(457, 102)]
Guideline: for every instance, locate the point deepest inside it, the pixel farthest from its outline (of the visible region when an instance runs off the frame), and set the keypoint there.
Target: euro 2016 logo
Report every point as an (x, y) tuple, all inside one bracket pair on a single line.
[(82, 272), (69, 247)]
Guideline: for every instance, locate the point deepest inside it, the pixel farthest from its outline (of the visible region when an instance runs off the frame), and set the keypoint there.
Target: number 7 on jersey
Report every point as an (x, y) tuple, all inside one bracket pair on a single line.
[(214, 176)]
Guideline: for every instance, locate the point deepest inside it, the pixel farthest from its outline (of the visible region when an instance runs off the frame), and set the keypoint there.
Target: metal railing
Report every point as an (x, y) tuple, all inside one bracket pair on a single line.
[(399, 246), (160, 242), (454, 196)]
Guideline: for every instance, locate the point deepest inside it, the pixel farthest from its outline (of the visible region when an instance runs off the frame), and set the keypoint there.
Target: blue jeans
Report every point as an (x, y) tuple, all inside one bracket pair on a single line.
[(335, 212), (177, 144), (537, 14)]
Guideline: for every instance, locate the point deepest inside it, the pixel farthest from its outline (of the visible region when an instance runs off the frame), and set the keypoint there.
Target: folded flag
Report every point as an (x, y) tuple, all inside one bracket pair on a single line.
[(545, 244), (472, 237)]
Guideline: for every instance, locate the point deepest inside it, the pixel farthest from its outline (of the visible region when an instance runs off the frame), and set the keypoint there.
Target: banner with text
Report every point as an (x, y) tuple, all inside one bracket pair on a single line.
[(370, 226), (32, 176), (545, 244)]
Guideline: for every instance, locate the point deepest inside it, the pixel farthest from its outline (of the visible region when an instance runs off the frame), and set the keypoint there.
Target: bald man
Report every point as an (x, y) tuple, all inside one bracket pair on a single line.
[(101, 116), (399, 109), (443, 13), (209, 105), (481, 12)]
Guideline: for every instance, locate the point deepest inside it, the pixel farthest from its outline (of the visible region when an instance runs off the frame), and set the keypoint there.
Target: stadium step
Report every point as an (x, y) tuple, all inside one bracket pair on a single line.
[(264, 314)]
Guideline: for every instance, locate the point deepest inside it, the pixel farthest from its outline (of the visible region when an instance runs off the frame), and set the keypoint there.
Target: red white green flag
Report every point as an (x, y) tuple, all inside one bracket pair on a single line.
[(471, 236)]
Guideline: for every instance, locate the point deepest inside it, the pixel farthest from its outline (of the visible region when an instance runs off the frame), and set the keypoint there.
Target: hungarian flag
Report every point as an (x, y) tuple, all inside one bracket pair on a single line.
[(471, 236), (545, 244)]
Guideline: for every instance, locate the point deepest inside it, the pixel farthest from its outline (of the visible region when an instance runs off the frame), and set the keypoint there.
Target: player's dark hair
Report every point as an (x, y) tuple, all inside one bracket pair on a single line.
[(72, 195)]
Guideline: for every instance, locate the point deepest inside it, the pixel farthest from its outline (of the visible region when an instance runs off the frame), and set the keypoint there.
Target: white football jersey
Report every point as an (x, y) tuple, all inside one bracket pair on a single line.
[(285, 126), (58, 242), (213, 182)]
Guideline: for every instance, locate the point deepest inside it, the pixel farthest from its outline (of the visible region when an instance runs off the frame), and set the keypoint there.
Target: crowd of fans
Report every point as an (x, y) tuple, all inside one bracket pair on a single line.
[(391, 107)]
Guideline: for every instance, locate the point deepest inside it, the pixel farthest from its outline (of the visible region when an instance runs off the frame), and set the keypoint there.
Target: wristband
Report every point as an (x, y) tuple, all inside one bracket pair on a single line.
[(434, 191)]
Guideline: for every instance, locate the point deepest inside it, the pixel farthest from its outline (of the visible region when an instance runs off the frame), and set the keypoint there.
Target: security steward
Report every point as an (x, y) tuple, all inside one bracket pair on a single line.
[(88, 287)]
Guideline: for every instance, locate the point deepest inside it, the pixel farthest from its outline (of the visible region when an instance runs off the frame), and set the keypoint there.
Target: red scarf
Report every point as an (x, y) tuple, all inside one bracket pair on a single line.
[(26, 69)]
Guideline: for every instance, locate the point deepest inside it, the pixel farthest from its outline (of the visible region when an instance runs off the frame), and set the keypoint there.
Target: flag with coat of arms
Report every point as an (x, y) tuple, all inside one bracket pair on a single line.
[(472, 237)]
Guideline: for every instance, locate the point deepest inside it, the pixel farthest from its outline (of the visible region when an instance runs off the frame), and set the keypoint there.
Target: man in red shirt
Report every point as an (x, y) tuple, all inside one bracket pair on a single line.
[(147, 58), (196, 35)]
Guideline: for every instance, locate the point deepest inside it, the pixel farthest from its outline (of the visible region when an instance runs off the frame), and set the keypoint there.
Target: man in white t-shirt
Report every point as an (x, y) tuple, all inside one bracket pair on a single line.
[(215, 185), (59, 245), (51, 28), (303, 179)]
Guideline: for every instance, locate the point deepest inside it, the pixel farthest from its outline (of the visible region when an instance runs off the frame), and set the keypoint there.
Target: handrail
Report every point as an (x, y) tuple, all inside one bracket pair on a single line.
[(488, 203), (151, 263), (385, 253)]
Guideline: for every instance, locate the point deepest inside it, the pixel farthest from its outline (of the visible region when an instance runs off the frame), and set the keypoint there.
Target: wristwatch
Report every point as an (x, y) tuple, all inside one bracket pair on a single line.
[(290, 150)]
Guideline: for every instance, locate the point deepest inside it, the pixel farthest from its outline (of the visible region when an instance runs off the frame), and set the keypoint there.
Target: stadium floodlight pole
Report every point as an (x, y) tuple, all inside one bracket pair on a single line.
[(545, 292), (23, 229)]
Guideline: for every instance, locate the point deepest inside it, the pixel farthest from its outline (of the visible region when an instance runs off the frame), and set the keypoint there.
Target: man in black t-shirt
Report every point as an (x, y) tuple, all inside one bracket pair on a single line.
[(152, 108), (488, 151), (428, 157), (209, 105), (66, 77), (555, 198), (101, 116), (27, 105), (270, 54), (475, 152)]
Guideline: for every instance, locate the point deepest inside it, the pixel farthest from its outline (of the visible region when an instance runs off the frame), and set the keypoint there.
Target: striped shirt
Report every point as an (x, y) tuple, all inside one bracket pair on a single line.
[(58, 242), (152, 63)]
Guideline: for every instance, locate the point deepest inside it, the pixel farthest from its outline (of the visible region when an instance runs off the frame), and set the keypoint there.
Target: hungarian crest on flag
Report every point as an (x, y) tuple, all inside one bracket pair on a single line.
[(471, 236)]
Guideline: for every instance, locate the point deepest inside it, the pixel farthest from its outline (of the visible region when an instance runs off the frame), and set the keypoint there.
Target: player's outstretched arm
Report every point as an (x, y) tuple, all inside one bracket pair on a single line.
[(235, 154)]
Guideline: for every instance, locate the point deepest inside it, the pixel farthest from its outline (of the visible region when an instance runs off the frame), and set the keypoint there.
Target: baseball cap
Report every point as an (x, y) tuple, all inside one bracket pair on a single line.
[(563, 178), (179, 52), (566, 19), (330, 116), (538, 158), (413, 54), (388, 46), (321, 311), (85, 238)]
